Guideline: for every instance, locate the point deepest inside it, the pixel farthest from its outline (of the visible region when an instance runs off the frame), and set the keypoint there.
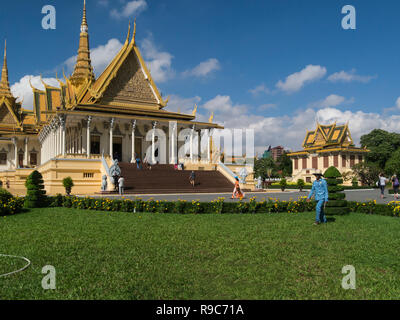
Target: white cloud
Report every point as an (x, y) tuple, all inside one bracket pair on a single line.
[(350, 76), (160, 63), (204, 69), (183, 105), (332, 100), (260, 89), (285, 130), (296, 81), (23, 90), (131, 8)]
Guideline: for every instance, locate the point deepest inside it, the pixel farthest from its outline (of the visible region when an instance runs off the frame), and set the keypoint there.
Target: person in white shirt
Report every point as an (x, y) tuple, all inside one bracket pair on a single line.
[(121, 184), (382, 183)]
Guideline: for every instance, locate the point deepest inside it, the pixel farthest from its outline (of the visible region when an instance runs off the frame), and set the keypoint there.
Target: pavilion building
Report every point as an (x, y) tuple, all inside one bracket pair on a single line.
[(78, 128), (327, 145)]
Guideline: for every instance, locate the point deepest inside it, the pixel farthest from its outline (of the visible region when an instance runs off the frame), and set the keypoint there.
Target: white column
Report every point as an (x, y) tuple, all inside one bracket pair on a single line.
[(173, 147), (209, 145), (58, 140), (63, 136), (153, 143), (111, 138), (15, 141), (51, 142), (191, 144), (26, 152), (89, 121), (133, 160)]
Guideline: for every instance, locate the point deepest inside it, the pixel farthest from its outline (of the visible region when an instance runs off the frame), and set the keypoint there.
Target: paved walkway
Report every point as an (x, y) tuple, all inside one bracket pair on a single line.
[(351, 195)]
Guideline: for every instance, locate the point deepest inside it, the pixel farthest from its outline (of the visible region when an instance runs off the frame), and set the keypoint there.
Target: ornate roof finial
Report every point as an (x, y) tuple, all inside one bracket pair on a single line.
[(134, 31), (129, 32), (83, 68), (84, 26), (4, 83), (211, 117)]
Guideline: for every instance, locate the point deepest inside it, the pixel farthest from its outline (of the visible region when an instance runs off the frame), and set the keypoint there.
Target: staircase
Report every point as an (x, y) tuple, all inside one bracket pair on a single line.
[(164, 179)]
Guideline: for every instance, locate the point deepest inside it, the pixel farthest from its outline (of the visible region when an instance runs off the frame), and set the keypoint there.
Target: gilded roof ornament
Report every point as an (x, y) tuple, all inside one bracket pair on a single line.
[(195, 110), (129, 33), (83, 69), (211, 117), (4, 83)]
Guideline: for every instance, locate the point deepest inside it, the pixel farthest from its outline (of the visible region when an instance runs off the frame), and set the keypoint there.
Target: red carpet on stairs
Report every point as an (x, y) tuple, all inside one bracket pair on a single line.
[(165, 179)]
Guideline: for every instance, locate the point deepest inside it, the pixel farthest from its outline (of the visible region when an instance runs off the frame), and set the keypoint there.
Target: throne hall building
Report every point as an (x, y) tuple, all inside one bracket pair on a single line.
[(80, 127), (326, 146)]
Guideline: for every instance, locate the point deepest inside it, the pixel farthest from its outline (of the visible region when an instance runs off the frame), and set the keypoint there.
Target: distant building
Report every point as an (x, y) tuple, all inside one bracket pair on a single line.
[(274, 153), (268, 153), (277, 152), (326, 146)]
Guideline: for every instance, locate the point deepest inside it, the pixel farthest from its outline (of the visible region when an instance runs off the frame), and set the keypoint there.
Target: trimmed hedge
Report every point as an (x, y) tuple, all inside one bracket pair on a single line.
[(336, 206), (218, 206), (36, 194)]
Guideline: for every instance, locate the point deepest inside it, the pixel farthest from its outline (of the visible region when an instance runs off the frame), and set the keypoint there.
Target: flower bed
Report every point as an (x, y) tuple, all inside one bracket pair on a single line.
[(11, 206), (218, 206)]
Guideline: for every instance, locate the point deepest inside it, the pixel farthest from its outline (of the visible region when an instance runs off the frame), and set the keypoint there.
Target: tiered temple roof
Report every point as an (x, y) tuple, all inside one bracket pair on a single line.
[(328, 138), (125, 89)]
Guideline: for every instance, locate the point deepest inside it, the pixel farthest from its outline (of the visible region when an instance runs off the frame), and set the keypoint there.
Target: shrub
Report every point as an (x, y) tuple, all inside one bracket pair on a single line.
[(301, 184), (11, 206), (337, 205), (68, 183), (36, 194), (5, 196), (283, 184)]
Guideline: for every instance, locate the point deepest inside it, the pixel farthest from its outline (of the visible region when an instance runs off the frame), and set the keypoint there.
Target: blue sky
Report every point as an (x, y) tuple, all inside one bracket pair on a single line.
[(272, 65)]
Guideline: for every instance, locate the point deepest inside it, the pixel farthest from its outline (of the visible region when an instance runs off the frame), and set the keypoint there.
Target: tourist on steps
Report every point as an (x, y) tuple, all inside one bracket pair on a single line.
[(192, 179), (121, 185), (320, 191)]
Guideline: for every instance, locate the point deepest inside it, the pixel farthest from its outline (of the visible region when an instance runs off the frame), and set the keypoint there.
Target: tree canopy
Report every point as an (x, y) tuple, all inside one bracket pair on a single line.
[(382, 145)]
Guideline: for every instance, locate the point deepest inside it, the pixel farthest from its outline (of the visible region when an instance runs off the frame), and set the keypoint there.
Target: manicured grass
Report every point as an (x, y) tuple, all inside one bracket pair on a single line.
[(152, 256)]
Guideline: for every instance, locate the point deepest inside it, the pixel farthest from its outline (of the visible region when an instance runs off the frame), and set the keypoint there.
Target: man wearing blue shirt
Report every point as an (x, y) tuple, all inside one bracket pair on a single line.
[(320, 191)]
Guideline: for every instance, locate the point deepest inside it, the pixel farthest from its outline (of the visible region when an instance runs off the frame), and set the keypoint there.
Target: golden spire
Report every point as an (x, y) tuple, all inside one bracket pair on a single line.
[(83, 69), (4, 84), (129, 33)]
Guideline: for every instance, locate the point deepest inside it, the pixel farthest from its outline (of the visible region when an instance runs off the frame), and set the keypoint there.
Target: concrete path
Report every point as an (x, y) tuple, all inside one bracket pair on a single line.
[(351, 195)]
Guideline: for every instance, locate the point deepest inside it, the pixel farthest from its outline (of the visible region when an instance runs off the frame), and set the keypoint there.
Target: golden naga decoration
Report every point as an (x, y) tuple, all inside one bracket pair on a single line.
[(211, 118), (195, 110)]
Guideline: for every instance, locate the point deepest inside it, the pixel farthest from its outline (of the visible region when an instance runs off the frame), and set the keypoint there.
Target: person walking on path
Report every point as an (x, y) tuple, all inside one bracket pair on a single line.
[(320, 191), (396, 185), (237, 193), (382, 184), (121, 185), (192, 179)]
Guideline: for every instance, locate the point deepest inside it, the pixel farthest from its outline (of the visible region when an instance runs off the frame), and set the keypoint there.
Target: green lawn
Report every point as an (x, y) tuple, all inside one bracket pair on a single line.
[(151, 256)]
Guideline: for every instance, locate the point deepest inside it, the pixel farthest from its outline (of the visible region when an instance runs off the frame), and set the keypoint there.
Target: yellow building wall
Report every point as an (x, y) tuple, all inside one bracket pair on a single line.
[(86, 174)]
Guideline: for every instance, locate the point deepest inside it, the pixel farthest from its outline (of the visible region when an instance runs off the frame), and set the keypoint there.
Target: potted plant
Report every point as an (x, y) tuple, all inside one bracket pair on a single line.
[(68, 184), (283, 184), (301, 184)]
